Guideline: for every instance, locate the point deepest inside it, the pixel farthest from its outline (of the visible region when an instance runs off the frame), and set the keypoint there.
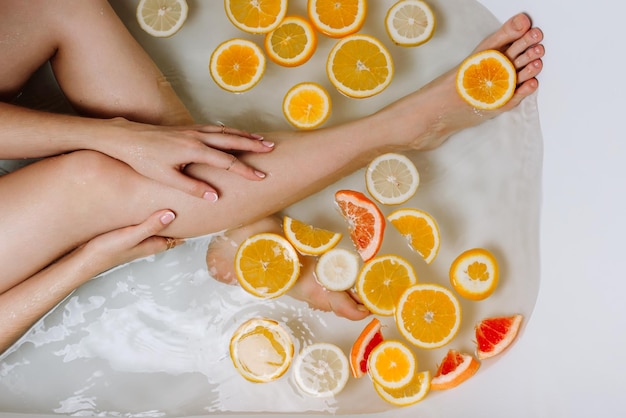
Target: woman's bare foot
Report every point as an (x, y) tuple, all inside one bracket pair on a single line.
[(518, 40), (221, 253)]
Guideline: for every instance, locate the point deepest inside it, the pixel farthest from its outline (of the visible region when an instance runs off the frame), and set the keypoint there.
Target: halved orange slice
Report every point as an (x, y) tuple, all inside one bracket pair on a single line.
[(420, 230), (415, 391), (307, 105), (392, 364), (365, 221), (486, 80), (308, 239)]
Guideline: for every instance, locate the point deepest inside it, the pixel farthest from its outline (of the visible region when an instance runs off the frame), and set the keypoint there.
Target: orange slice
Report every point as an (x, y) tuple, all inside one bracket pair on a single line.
[(474, 274), (369, 338), (337, 18), (307, 105), (392, 179), (428, 315), (261, 350), (410, 394), (292, 43), (365, 221), (486, 80), (454, 369), (267, 265), (337, 269), (237, 65), (420, 230), (308, 239), (256, 16), (392, 364), (494, 335), (410, 22), (382, 281), (359, 66), (162, 18), (321, 370)]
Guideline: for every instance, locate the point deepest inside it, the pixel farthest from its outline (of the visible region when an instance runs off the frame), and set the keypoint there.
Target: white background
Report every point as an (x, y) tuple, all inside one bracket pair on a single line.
[(570, 362)]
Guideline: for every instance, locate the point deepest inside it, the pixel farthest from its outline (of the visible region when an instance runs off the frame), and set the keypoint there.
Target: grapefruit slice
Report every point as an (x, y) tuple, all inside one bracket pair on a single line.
[(454, 369), (369, 338), (494, 335), (365, 221)]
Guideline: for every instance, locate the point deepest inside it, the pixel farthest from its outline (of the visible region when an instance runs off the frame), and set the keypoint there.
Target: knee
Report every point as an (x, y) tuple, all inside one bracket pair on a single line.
[(89, 168)]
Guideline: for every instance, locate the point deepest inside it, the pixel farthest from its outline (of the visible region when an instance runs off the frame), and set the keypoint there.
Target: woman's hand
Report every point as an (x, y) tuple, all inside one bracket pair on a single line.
[(129, 243), (163, 152)]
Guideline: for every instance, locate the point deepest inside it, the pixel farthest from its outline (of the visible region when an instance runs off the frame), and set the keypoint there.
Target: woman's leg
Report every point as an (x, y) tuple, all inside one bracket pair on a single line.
[(64, 201)]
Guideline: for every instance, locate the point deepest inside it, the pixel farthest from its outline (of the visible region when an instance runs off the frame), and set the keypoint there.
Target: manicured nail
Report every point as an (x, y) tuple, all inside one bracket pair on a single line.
[(362, 308), (259, 174), (257, 136), (268, 144), (210, 196), (167, 218)]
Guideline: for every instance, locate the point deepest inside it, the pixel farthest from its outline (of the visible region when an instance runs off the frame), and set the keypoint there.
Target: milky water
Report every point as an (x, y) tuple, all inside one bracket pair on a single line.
[(151, 338)]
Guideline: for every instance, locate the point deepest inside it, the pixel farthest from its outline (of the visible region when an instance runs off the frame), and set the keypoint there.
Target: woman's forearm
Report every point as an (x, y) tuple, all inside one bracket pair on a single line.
[(23, 305), (30, 133)]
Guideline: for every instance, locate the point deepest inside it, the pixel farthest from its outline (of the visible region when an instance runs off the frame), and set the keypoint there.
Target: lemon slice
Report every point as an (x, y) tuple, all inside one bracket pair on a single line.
[(410, 22), (337, 269), (261, 350), (321, 370), (392, 179), (162, 18)]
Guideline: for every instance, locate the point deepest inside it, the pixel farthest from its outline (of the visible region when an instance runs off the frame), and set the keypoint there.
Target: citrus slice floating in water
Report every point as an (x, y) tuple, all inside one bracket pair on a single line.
[(420, 230), (392, 179), (410, 394), (337, 19), (369, 338), (494, 335), (292, 43), (162, 18), (410, 22), (308, 239), (337, 269), (392, 364), (307, 105), (474, 274), (455, 368), (237, 65), (321, 370), (256, 16)]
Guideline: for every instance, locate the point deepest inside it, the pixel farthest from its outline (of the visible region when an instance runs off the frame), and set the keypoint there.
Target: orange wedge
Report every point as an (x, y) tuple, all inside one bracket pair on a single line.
[(308, 239), (359, 66), (369, 338), (454, 369), (365, 221), (494, 335), (337, 18), (410, 394), (486, 80), (420, 230)]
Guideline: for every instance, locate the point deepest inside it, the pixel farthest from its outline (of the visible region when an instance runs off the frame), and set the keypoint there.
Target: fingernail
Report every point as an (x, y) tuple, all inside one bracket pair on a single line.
[(167, 218), (210, 196), (268, 144), (362, 308), (259, 174), (257, 136)]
